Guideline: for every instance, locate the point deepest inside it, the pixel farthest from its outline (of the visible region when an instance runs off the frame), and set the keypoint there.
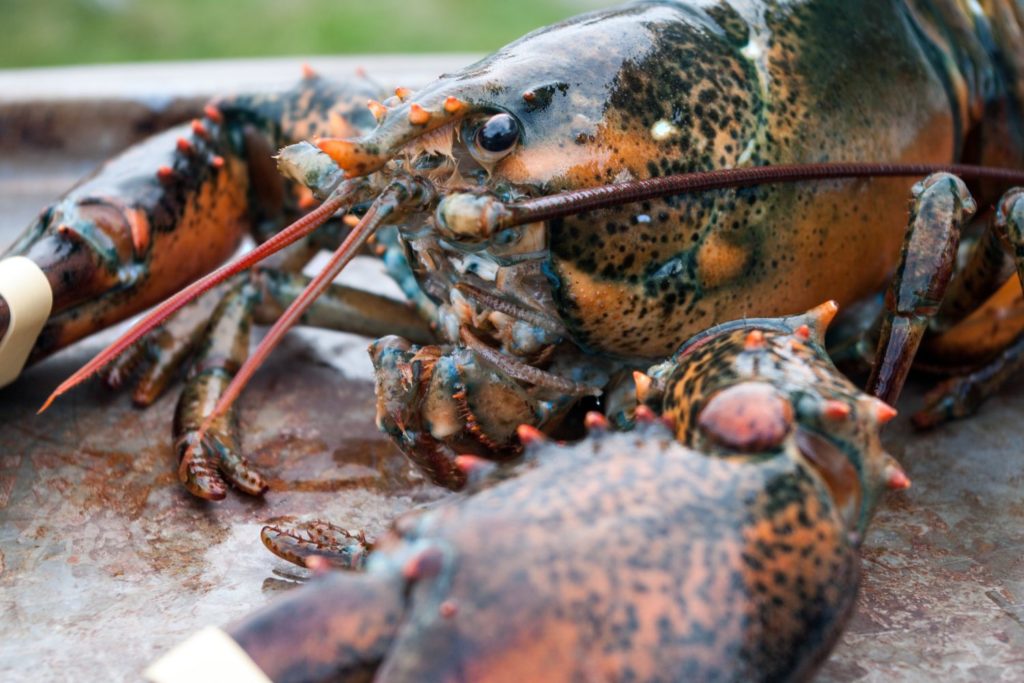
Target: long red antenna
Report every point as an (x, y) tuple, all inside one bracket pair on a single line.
[(161, 312), (396, 195), (589, 199)]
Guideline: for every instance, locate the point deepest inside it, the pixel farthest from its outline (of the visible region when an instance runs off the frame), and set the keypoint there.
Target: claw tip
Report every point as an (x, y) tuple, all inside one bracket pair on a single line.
[(896, 479), (884, 412)]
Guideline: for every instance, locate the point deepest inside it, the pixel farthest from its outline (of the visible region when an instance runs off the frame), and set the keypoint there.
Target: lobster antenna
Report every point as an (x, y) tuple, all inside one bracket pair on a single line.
[(577, 201), (391, 199), (161, 312)]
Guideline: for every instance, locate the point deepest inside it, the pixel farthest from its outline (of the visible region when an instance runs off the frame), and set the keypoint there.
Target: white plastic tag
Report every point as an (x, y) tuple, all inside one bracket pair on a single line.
[(209, 656), (24, 287)]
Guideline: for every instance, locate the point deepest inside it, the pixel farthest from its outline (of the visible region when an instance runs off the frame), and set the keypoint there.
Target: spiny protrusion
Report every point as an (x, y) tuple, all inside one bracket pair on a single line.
[(754, 340), (424, 564), (217, 162), (448, 609), (184, 146), (472, 465), (884, 412), (308, 72), (378, 110), (200, 130), (140, 229), (318, 564), (165, 173), (595, 422), (529, 96), (418, 116), (529, 435), (306, 199), (803, 332), (68, 232), (645, 415), (213, 113), (895, 478), (453, 105), (820, 317), (643, 384), (836, 410), (402, 93)]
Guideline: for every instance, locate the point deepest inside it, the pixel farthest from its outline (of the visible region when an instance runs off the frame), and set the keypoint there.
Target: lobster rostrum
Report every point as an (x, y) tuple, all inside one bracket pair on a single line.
[(572, 206), (715, 542)]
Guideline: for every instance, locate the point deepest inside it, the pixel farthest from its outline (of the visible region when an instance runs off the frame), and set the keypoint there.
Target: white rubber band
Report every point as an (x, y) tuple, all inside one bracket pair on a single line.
[(27, 291), (210, 656)]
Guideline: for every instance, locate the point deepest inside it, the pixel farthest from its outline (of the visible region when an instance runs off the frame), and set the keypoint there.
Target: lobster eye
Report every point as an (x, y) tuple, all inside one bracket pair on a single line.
[(495, 138)]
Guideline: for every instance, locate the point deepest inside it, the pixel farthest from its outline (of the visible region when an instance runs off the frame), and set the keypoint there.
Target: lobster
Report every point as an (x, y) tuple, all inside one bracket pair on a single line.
[(715, 541), (544, 226), (562, 213)]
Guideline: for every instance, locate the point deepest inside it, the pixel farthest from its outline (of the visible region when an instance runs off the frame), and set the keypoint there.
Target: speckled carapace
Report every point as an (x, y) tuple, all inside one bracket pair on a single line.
[(657, 88)]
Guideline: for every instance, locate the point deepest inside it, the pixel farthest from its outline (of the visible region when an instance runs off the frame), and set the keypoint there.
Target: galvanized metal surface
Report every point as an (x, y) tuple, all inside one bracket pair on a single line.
[(105, 562)]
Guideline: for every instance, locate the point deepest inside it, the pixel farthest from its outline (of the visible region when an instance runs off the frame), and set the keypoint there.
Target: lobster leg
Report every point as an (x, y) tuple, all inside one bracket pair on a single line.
[(983, 273), (317, 543), (164, 350), (961, 396), (206, 454), (437, 403), (940, 206), (341, 308), (256, 298)]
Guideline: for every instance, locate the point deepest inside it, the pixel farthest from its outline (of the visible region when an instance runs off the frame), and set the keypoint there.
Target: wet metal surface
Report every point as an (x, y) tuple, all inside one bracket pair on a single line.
[(105, 561)]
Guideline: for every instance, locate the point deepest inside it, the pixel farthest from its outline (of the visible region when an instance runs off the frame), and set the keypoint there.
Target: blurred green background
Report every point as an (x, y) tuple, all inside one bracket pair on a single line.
[(51, 32)]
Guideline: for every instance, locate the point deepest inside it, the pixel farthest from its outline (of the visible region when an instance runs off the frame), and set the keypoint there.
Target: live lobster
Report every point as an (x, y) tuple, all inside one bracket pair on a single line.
[(547, 226)]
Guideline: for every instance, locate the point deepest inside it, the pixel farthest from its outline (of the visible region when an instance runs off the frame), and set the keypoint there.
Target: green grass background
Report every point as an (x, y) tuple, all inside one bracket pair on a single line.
[(51, 32)]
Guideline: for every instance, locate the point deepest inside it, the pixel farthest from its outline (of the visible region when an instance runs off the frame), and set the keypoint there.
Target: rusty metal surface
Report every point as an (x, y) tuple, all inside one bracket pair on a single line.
[(105, 562)]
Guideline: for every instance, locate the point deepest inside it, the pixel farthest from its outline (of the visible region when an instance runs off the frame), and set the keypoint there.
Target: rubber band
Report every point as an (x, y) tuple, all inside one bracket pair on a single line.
[(209, 656), (24, 287)]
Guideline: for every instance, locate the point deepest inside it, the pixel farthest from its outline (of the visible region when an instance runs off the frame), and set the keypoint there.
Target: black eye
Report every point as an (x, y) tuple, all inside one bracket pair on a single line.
[(498, 135)]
